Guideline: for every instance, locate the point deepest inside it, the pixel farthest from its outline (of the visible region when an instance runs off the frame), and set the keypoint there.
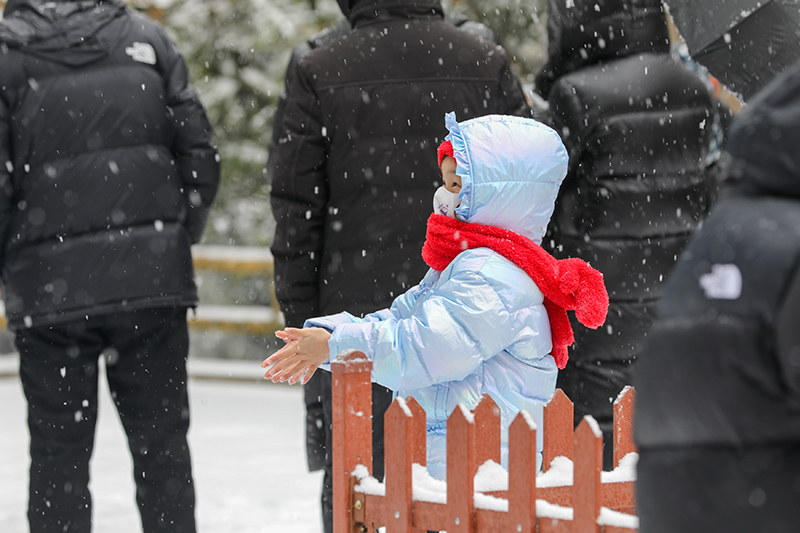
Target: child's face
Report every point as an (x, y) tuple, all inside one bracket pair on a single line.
[(452, 181)]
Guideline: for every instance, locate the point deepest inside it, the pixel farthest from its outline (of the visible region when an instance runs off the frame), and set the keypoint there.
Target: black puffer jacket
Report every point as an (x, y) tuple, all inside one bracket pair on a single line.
[(356, 164), (720, 366), (329, 35), (109, 170), (315, 433), (638, 127)]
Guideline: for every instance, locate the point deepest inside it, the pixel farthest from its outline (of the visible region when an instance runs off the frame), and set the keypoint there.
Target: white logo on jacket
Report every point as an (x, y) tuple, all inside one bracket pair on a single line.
[(142, 52), (724, 282)]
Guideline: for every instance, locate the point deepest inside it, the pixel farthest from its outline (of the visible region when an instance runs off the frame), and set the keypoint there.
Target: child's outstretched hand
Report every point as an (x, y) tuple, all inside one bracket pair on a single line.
[(305, 350)]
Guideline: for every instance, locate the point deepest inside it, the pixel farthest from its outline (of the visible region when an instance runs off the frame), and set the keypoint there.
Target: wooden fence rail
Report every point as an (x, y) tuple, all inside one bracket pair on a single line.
[(479, 495), (237, 261)]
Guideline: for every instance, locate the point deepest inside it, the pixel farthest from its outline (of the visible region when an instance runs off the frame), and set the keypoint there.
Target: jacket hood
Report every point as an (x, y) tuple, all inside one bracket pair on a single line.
[(360, 10), (762, 153), (584, 32), (511, 169), (65, 31)]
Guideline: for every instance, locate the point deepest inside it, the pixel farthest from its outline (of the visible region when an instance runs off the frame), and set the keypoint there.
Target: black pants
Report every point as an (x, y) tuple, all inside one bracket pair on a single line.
[(381, 400), (315, 422), (145, 353), (593, 386)]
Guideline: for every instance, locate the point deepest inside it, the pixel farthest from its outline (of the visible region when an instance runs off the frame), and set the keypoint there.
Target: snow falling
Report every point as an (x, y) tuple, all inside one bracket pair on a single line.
[(248, 448)]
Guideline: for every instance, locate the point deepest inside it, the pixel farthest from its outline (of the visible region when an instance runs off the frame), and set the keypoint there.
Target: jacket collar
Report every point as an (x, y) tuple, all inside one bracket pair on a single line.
[(367, 11), (67, 32)]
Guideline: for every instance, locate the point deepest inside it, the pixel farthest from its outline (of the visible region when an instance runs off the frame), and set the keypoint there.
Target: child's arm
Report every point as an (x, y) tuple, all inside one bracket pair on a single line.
[(444, 339), (304, 351)]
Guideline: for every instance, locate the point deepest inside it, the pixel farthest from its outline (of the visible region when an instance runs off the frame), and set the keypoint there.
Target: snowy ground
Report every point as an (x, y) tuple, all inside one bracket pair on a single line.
[(247, 442)]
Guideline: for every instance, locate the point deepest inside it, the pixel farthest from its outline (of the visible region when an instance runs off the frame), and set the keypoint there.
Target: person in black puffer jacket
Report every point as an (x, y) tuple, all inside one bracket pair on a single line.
[(638, 128), (312, 390), (108, 174), (718, 383), (354, 174)]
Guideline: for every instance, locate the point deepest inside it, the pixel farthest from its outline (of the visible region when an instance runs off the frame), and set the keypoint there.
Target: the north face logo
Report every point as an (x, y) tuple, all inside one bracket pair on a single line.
[(142, 52), (724, 282)]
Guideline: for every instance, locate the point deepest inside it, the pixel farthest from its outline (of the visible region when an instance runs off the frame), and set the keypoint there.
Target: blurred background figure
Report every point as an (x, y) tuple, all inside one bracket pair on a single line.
[(742, 43), (354, 168), (638, 127), (108, 175), (718, 382)]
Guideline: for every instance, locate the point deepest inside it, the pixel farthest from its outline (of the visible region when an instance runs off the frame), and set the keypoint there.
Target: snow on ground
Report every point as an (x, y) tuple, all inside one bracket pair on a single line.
[(247, 442)]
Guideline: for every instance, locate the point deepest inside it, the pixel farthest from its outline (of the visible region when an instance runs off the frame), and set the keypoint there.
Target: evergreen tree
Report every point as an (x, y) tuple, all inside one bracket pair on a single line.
[(237, 51)]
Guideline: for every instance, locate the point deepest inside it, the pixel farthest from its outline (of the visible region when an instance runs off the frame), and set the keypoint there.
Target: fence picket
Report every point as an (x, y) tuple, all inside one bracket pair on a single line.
[(419, 435), (398, 454), (460, 471), (586, 490), (522, 472), (352, 409), (623, 425), (558, 429), (487, 431)]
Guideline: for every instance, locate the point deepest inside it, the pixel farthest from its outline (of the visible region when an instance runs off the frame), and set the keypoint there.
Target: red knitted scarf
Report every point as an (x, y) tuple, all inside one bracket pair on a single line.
[(567, 284)]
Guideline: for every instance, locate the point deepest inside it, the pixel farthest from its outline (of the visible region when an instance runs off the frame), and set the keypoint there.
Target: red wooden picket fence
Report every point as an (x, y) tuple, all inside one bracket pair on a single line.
[(590, 501)]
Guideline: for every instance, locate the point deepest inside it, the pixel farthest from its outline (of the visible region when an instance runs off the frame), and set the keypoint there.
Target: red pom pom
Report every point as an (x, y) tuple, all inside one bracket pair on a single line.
[(446, 148)]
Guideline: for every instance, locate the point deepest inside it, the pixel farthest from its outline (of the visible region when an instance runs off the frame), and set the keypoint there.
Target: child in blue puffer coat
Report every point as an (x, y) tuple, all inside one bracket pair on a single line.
[(490, 314)]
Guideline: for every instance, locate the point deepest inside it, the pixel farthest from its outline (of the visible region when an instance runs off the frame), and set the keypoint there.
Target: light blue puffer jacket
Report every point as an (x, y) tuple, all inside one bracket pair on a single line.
[(479, 326)]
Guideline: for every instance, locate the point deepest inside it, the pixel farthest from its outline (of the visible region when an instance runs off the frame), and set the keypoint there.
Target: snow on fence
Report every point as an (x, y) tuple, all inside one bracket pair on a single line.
[(480, 496)]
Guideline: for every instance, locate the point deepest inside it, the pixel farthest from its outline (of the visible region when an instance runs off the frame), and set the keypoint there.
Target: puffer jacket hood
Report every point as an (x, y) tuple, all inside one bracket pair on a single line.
[(584, 32), (764, 137), (65, 31), (367, 10), (511, 169)]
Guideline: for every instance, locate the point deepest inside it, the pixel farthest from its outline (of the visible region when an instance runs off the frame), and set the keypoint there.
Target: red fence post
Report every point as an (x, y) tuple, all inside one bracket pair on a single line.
[(419, 434), (399, 452), (460, 471), (487, 431), (522, 474), (352, 435), (586, 490), (623, 424), (558, 429)]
